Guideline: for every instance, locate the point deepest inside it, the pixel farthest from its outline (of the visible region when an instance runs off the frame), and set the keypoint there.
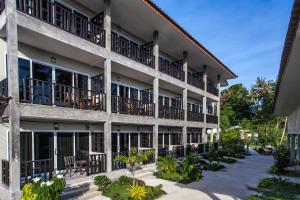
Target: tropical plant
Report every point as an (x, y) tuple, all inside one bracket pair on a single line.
[(282, 158), (134, 159), (232, 142), (41, 190), (102, 182), (166, 164), (137, 192)]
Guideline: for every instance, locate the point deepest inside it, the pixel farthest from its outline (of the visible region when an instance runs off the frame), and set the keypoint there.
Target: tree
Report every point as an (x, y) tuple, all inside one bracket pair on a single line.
[(236, 104)]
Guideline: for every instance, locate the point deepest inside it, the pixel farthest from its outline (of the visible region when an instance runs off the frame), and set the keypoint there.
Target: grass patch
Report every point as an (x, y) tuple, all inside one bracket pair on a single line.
[(290, 173), (277, 189), (172, 176)]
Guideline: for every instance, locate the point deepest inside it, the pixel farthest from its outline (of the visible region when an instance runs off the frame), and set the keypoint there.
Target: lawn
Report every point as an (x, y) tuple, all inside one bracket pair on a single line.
[(277, 189)]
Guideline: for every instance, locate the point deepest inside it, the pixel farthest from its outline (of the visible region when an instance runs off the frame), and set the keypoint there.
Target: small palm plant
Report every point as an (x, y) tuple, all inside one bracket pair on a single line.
[(134, 159), (137, 192), (166, 164)]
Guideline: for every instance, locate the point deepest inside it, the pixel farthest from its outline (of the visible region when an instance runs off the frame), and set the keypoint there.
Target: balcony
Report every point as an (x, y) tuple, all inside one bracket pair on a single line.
[(212, 119), (142, 54), (173, 69), (47, 93), (195, 116), (195, 80), (212, 89), (131, 106), (166, 112), (63, 18)]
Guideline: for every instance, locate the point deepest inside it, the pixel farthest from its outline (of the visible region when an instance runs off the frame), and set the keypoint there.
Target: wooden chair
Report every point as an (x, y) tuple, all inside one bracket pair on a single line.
[(71, 164)]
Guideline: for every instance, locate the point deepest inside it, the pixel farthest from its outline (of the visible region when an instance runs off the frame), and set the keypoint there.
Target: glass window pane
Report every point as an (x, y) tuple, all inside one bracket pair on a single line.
[(63, 77), (134, 93), (41, 72), (114, 89)]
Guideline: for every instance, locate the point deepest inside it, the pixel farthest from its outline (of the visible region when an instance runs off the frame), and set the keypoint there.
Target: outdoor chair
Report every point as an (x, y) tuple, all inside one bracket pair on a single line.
[(72, 164)]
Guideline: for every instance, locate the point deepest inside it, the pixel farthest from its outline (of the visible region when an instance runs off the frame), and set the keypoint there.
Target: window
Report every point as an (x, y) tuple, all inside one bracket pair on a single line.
[(134, 93), (146, 140), (98, 142), (63, 77), (114, 89), (175, 138), (24, 75)]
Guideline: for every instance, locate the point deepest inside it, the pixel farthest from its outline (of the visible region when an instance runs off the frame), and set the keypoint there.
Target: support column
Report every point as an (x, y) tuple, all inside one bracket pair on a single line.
[(204, 110), (107, 143), (298, 147), (155, 140), (14, 112), (156, 80), (219, 108), (288, 141), (107, 24), (107, 84), (292, 148), (185, 102)]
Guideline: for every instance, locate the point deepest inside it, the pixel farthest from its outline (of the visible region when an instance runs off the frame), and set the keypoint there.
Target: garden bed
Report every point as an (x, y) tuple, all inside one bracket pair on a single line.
[(275, 188), (122, 189)]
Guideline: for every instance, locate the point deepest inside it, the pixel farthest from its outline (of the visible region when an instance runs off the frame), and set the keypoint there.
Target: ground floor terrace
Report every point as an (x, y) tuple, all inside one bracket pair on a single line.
[(77, 150)]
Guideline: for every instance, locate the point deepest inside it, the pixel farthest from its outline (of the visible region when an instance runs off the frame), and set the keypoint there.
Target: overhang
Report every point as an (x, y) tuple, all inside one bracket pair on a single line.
[(287, 97)]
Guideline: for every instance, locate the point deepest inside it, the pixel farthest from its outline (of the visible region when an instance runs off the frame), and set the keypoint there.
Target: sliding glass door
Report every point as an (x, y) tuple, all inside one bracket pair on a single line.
[(81, 145)]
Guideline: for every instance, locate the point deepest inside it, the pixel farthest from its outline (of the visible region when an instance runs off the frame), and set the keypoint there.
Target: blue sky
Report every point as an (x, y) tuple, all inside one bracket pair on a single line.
[(246, 35)]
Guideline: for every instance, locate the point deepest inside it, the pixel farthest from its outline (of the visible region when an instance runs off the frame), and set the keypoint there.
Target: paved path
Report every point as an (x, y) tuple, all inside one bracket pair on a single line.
[(228, 184)]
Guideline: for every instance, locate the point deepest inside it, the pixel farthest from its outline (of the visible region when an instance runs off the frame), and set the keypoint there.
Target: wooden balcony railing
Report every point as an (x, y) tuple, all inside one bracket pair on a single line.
[(131, 50), (201, 148), (178, 151), (2, 5), (171, 113), (60, 17), (195, 80), (191, 149), (4, 88), (95, 163), (5, 172), (171, 68), (212, 89), (195, 116), (47, 93), (131, 106), (36, 168), (212, 119), (116, 165)]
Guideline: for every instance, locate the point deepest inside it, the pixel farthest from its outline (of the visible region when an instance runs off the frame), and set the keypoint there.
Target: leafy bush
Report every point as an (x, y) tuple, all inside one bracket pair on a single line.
[(41, 190), (282, 157), (213, 166), (189, 170), (154, 192), (125, 180), (166, 164), (268, 182), (228, 160), (102, 182), (137, 192)]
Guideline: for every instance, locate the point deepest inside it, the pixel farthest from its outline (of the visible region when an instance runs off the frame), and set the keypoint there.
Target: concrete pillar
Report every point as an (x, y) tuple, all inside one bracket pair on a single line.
[(184, 95), (298, 147), (14, 112), (107, 142), (204, 138), (107, 24), (184, 138), (219, 107), (156, 80), (205, 98), (155, 140), (107, 84), (292, 148)]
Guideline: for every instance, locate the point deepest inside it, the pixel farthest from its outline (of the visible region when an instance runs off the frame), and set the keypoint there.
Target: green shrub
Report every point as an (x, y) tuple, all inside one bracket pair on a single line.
[(282, 157), (269, 182), (228, 160), (213, 166), (125, 180), (41, 190), (154, 192), (231, 141), (137, 192), (189, 170), (166, 164), (102, 182)]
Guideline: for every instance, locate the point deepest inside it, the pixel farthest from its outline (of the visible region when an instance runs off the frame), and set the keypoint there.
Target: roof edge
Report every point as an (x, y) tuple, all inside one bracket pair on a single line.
[(288, 45), (151, 4)]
